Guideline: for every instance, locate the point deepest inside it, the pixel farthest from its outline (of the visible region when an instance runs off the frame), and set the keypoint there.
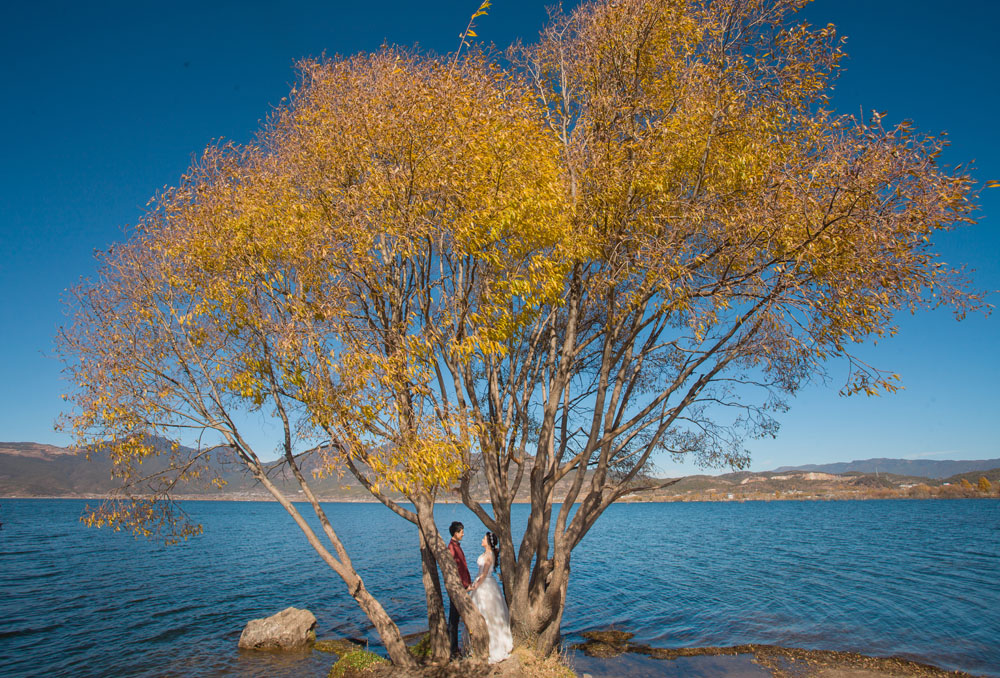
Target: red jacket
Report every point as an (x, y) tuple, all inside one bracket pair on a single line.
[(459, 555)]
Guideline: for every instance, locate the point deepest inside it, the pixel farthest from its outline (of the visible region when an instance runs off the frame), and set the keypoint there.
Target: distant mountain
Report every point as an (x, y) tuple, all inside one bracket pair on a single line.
[(923, 468), (36, 470)]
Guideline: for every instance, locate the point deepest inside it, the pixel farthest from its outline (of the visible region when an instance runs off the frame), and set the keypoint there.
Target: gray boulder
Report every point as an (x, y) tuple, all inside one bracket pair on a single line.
[(288, 630)]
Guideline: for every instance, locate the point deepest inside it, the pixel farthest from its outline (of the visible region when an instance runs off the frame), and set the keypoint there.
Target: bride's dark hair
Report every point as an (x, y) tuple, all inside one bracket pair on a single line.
[(494, 543)]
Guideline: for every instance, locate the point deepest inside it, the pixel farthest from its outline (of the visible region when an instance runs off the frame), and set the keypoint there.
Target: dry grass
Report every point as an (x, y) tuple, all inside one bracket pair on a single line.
[(523, 663), (534, 666)]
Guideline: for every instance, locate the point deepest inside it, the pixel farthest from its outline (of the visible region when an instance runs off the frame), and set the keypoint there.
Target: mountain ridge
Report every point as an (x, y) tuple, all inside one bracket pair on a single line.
[(40, 470), (924, 468)]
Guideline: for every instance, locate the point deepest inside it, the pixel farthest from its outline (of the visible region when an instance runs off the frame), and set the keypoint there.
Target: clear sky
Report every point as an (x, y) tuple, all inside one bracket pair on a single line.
[(105, 103)]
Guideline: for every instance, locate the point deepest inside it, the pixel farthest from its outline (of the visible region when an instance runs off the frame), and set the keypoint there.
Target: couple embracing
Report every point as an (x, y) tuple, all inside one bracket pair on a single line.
[(485, 592)]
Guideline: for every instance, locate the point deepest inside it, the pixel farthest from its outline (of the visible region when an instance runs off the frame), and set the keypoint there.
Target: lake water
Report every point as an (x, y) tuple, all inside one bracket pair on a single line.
[(919, 579)]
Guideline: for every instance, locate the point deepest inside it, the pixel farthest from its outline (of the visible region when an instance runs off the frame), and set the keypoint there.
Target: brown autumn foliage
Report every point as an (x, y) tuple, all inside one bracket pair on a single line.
[(636, 237)]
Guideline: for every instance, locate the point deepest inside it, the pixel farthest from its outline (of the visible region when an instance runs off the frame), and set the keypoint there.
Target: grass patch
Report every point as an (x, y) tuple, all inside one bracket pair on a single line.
[(337, 647), (355, 664), (422, 649)]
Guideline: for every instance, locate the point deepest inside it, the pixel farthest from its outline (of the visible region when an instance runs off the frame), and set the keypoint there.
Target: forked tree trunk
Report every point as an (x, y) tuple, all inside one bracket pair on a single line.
[(536, 610), (437, 622), (547, 619), (479, 639)]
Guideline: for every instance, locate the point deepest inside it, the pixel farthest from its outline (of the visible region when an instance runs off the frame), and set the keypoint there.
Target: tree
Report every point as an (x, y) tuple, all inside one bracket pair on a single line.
[(733, 235), (984, 485), (304, 278), (635, 238)]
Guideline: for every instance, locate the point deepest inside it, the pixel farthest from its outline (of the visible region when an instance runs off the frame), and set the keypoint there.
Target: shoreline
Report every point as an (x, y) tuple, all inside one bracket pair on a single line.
[(614, 657), (751, 661), (678, 500)]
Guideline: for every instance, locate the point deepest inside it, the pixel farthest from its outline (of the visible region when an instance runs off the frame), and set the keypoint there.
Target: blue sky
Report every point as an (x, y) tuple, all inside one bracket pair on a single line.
[(105, 103)]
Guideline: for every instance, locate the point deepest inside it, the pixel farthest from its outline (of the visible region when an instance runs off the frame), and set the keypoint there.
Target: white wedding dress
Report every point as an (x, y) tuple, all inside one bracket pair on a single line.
[(489, 599)]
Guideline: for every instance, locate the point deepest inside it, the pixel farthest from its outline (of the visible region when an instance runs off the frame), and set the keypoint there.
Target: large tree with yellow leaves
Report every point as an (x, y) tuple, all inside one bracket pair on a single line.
[(631, 239), (398, 207), (730, 236)]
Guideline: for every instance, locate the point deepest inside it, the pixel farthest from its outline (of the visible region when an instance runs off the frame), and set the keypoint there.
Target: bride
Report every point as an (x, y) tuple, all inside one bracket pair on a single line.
[(489, 599)]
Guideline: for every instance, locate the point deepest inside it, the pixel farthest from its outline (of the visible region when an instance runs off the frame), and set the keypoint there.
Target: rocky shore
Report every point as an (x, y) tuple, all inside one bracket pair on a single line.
[(745, 661), (609, 653), (765, 661)]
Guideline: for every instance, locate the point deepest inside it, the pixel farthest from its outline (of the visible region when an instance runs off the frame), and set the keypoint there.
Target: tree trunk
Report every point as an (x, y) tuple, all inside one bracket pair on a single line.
[(479, 638), (437, 621), (387, 629), (538, 620), (548, 620), (538, 602)]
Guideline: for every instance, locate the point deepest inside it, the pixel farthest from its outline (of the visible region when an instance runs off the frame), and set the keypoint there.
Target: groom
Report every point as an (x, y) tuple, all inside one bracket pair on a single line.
[(457, 531)]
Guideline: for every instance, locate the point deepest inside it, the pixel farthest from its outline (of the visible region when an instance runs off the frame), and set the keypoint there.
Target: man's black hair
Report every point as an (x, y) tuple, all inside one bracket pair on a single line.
[(455, 527)]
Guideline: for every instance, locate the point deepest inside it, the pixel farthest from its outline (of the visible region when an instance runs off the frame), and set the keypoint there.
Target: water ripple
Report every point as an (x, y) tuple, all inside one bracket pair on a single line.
[(916, 579)]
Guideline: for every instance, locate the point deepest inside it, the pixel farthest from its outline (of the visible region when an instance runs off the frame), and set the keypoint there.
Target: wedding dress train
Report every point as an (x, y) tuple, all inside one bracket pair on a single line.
[(489, 599)]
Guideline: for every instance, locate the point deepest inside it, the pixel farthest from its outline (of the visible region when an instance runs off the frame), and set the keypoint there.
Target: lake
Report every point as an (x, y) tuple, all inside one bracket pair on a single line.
[(918, 579)]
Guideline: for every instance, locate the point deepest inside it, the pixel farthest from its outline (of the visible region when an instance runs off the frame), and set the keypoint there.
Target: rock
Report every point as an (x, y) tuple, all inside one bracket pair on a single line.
[(595, 648), (289, 629), (605, 644), (610, 636)]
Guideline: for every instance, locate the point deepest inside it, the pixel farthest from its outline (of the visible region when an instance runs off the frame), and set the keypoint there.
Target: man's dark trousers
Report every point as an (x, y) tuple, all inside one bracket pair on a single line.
[(453, 618)]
